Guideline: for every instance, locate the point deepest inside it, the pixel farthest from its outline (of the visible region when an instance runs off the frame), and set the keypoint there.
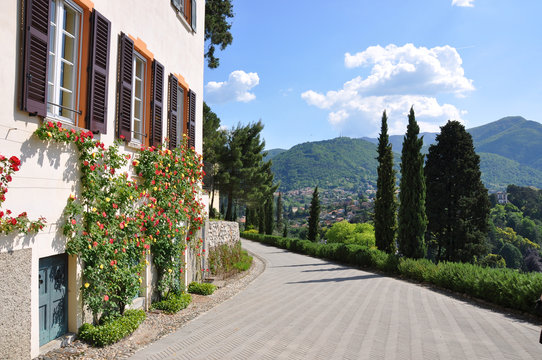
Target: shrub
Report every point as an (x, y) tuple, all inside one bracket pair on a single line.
[(201, 288), (245, 262), (113, 330), (174, 303), (417, 269)]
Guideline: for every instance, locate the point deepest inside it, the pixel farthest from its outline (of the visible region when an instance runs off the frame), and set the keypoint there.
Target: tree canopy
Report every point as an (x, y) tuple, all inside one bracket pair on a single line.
[(217, 28), (457, 201)]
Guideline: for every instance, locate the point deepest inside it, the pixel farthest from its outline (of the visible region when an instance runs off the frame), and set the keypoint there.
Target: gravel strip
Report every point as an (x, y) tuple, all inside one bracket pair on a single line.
[(158, 324)]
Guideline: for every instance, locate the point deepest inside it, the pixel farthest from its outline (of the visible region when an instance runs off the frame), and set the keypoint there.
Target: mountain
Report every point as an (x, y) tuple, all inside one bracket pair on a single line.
[(272, 153), (340, 162), (512, 137), (510, 152)]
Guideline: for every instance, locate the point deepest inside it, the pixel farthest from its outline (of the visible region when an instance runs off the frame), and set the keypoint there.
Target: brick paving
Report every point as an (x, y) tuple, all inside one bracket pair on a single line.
[(306, 308)]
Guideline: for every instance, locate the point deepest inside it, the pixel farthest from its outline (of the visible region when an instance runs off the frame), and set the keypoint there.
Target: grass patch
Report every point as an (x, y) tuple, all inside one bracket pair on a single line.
[(245, 263)]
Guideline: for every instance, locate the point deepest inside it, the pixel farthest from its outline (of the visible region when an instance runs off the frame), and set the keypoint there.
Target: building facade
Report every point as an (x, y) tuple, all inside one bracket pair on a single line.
[(117, 68)]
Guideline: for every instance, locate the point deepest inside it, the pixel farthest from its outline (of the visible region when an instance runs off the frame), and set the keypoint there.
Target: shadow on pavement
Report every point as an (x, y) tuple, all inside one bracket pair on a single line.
[(351, 278), (296, 265), (332, 269)]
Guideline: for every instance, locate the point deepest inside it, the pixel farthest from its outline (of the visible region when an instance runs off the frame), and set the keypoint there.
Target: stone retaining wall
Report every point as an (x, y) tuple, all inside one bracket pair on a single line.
[(221, 232)]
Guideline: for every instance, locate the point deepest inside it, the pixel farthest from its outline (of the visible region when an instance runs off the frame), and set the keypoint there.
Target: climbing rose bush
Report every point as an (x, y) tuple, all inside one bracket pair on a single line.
[(117, 220), (9, 223)]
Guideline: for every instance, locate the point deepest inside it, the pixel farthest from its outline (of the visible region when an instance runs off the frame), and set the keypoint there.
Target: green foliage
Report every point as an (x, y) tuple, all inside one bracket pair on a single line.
[(201, 288), (244, 263), (314, 216), (217, 28), (173, 303), (347, 233), (498, 172), (512, 256), (114, 223), (527, 199), (493, 261), (504, 287), (385, 203), (113, 330), (457, 203), (225, 260), (412, 220)]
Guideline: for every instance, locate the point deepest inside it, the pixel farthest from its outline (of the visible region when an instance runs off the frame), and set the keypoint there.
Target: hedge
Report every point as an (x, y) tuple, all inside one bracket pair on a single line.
[(113, 330), (201, 288), (173, 303), (505, 287)]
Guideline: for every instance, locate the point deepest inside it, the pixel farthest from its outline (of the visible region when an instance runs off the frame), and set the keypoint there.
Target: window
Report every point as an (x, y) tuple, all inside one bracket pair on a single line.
[(56, 34), (187, 8), (140, 90), (138, 97), (64, 38), (180, 111), (178, 90)]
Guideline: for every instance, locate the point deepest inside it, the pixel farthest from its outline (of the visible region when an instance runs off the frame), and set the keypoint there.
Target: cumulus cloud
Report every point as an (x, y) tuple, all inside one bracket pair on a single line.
[(463, 3), (409, 69), (236, 88), (400, 77)]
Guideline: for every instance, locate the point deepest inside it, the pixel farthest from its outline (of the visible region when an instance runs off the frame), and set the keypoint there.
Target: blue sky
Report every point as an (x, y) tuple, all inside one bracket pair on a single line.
[(315, 70)]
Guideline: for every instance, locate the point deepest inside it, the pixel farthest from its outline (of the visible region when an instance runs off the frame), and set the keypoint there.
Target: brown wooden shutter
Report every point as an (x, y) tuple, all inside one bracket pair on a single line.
[(36, 57), (193, 18), (192, 119), (126, 54), (98, 70), (157, 103), (172, 111)]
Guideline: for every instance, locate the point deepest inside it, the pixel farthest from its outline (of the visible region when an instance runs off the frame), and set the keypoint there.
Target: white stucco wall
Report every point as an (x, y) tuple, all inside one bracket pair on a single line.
[(49, 172)]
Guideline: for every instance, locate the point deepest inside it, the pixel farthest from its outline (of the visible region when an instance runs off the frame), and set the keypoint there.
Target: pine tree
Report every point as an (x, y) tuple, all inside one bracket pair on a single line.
[(412, 217), (314, 216), (457, 201), (385, 204), (279, 212)]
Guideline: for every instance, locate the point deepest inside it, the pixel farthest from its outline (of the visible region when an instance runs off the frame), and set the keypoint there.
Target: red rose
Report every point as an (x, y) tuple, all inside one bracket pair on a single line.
[(74, 222), (106, 298), (13, 221)]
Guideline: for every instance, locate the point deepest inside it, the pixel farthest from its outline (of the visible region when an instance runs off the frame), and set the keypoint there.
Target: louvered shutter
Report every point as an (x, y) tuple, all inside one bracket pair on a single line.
[(193, 19), (98, 70), (157, 103), (36, 57), (192, 119), (125, 87), (172, 112), (176, 4)]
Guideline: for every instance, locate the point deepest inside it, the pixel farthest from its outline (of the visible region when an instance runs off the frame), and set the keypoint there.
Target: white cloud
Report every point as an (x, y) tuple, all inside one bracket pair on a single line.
[(400, 77), (409, 69), (463, 3), (236, 88)]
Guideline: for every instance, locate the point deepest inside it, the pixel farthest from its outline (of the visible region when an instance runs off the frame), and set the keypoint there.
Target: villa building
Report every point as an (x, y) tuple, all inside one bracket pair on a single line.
[(117, 68)]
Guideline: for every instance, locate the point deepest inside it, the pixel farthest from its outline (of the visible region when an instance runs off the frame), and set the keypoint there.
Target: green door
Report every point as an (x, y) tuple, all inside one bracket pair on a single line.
[(53, 297)]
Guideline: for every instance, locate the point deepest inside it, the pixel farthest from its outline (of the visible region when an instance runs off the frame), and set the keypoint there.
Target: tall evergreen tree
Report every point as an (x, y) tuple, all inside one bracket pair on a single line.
[(269, 215), (285, 229), (261, 219), (457, 201), (279, 212), (385, 203), (412, 217), (314, 216)]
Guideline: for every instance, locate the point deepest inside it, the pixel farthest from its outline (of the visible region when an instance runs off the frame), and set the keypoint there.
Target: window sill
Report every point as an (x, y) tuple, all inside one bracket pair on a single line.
[(188, 27), (65, 123)]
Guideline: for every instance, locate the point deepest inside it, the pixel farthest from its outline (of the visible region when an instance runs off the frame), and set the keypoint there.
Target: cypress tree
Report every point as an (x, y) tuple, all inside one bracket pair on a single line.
[(314, 216), (285, 229), (457, 201), (412, 217), (269, 215), (261, 219), (385, 204), (279, 212)]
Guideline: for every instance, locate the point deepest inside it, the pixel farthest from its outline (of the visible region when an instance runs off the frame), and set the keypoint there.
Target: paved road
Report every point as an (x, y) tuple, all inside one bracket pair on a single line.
[(306, 308)]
